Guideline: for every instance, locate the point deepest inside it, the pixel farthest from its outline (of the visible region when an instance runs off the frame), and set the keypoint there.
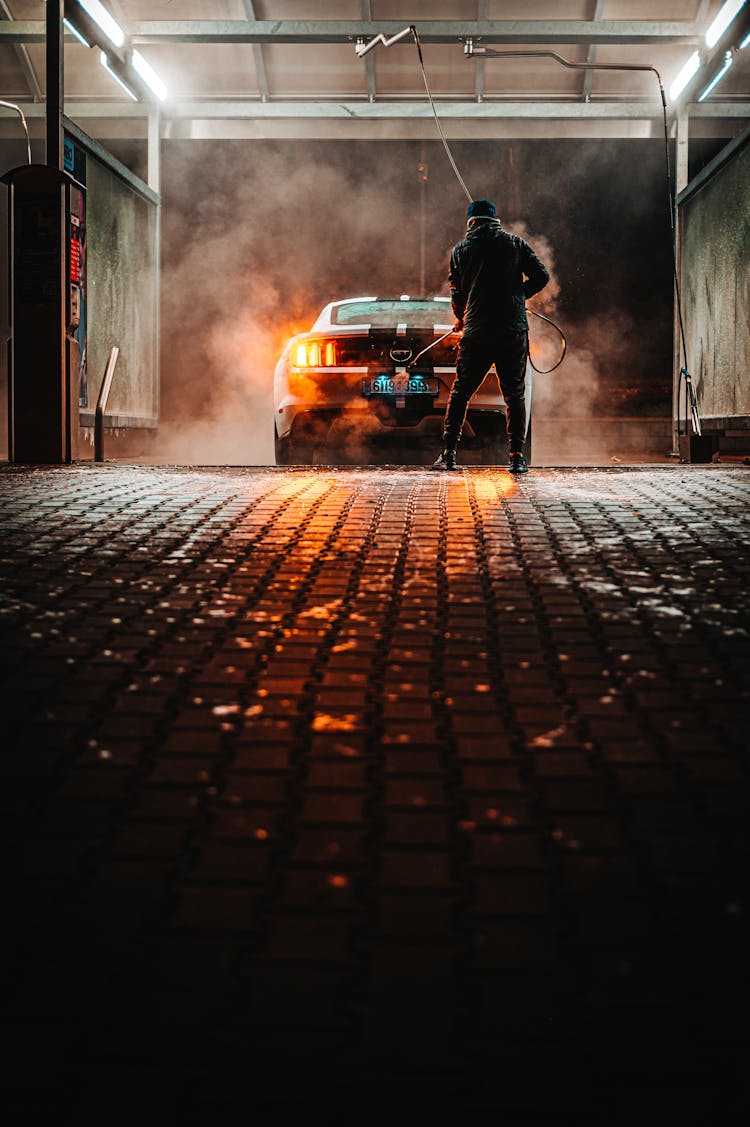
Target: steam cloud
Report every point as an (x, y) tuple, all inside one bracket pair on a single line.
[(258, 236), (247, 268)]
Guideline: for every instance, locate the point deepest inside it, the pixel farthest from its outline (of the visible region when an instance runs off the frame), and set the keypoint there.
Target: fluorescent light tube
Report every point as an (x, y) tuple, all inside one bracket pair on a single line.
[(687, 72), (722, 20), (102, 19), (74, 31), (105, 63), (149, 75), (745, 41), (728, 60)]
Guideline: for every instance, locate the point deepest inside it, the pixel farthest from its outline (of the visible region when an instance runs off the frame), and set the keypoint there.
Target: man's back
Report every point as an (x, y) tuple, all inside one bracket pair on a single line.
[(487, 279)]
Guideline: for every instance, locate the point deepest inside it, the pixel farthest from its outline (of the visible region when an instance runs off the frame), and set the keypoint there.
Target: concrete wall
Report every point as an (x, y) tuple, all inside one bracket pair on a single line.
[(122, 293), (715, 276)]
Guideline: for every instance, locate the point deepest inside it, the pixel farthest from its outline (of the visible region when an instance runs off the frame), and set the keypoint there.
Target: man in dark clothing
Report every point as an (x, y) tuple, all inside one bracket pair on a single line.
[(489, 295)]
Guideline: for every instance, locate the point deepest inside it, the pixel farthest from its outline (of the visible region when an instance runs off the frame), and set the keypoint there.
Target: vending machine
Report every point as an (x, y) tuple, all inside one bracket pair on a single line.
[(47, 347)]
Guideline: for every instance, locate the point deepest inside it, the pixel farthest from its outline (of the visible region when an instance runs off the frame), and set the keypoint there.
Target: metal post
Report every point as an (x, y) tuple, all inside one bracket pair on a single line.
[(154, 182), (423, 174), (55, 85), (101, 404), (682, 128)]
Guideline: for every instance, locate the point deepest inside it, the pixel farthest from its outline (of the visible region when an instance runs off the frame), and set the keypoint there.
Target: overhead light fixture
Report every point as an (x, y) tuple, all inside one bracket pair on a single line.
[(722, 20), (687, 72), (75, 32), (105, 63), (745, 41), (728, 60), (149, 75), (104, 20)]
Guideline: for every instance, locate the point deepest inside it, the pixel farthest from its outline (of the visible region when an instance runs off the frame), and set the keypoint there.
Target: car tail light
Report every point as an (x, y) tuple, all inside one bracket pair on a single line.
[(315, 354)]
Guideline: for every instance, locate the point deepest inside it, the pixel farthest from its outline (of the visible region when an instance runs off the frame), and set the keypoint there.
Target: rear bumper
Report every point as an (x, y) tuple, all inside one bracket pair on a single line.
[(326, 400), (333, 427)]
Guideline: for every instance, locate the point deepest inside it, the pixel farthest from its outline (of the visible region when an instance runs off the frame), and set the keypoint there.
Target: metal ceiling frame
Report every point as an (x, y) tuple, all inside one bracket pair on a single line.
[(214, 109), (581, 32), (222, 119), (576, 108)]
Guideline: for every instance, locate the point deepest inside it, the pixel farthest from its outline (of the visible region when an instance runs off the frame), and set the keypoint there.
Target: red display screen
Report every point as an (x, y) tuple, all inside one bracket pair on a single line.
[(75, 253)]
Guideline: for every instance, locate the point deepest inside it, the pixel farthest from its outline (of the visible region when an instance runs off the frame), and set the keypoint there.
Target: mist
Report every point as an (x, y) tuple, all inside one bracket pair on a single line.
[(259, 235)]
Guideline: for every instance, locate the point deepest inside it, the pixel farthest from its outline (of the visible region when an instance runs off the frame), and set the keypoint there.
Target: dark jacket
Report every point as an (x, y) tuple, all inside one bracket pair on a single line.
[(486, 275)]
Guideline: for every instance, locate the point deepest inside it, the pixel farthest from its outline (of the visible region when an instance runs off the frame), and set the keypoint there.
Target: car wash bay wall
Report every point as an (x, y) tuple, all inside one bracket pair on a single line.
[(123, 294), (259, 234), (714, 219)]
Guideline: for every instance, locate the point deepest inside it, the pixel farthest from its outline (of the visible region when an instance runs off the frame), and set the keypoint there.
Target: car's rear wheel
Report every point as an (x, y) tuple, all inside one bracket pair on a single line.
[(282, 448), (309, 438)]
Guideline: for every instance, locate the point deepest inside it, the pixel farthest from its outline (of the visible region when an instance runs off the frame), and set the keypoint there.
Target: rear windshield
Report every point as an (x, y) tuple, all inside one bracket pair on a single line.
[(388, 314)]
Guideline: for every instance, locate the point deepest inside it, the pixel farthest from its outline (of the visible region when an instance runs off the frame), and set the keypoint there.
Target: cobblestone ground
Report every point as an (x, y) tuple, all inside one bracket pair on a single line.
[(345, 795)]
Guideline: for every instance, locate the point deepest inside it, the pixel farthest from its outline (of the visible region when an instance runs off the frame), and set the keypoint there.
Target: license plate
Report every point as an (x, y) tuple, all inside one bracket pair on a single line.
[(399, 385)]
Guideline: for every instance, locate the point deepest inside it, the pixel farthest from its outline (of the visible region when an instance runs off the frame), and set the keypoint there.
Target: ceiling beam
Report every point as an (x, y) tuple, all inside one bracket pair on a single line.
[(702, 14), (615, 32), (260, 63), (588, 77), (430, 31), (629, 110), (293, 122)]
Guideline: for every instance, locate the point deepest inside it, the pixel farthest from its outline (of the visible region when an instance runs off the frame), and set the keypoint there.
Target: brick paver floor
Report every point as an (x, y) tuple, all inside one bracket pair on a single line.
[(347, 795)]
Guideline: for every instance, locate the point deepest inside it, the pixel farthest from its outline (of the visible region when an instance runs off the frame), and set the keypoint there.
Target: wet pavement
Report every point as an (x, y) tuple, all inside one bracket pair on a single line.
[(341, 795)]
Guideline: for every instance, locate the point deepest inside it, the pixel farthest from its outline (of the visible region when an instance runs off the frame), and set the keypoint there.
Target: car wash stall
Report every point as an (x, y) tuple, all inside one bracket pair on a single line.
[(297, 168), (335, 790)]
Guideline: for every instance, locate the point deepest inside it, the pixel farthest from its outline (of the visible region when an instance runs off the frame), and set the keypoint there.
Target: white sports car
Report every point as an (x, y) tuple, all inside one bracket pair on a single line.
[(348, 388)]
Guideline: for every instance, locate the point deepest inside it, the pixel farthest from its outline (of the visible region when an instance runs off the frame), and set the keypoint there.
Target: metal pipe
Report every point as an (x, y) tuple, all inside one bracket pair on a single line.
[(101, 403), (363, 48), (472, 51)]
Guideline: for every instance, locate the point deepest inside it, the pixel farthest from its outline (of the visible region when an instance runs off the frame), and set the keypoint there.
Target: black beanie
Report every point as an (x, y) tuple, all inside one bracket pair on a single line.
[(481, 208)]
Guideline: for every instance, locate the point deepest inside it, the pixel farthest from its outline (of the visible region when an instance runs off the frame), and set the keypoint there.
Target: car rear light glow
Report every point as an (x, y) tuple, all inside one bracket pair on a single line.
[(315, 354), (299, 355)]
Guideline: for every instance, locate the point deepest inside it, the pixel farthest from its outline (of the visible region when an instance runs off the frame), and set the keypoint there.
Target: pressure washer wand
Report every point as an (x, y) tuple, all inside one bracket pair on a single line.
[(691, 401), (430, 347)]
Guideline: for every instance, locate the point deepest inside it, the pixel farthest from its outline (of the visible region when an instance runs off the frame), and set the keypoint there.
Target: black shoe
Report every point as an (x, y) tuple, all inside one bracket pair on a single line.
[(517, 463), (446, 461)]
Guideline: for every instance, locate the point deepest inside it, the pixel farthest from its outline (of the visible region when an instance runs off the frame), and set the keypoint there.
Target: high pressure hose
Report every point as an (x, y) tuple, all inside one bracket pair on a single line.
[(488, 52), (362, 49), (563, 346), (533, 312), (446, 146)]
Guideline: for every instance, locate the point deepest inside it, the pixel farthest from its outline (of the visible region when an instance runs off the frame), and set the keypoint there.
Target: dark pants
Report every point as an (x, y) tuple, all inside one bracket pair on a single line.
[(507, 350)]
